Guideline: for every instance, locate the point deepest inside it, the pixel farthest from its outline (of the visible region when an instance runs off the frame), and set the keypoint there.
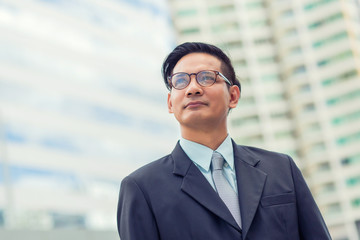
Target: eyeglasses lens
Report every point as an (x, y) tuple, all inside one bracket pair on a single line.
[(180, 81), (206, 78)]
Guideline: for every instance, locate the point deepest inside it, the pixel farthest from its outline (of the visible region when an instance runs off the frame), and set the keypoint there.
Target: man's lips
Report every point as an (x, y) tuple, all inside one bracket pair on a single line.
[(195, 104)]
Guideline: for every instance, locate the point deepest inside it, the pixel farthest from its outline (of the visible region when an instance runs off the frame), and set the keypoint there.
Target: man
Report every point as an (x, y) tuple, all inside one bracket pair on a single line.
[(210, 188)]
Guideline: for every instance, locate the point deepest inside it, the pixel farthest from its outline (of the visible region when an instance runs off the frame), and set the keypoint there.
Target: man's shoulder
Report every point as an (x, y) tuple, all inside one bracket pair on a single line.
[(277, 166), (264, 156), (260, 152), (153, 168)]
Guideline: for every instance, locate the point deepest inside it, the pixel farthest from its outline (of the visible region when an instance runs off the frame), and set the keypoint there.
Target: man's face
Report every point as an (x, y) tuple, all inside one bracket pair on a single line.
[(197, 106)]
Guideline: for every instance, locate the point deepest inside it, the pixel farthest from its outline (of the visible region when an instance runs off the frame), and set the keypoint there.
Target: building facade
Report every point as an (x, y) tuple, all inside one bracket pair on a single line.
[(79, 85), (299, 66)]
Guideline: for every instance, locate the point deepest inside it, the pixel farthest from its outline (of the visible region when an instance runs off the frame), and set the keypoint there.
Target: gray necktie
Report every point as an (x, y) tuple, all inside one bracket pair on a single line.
[(225, 191)]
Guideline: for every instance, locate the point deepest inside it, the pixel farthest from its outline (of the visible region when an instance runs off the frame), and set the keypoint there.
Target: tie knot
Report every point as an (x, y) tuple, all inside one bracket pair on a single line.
[(217, 161)]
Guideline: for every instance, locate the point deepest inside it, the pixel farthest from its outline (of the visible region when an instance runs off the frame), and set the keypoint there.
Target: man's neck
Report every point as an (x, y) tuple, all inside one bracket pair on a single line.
[(211, 139)]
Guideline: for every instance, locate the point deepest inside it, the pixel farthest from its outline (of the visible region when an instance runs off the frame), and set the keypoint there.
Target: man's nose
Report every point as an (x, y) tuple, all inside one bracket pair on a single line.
[(194, 87)]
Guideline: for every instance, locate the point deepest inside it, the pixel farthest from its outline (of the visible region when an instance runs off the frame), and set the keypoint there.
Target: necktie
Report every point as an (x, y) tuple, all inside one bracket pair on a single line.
[(225, 191)]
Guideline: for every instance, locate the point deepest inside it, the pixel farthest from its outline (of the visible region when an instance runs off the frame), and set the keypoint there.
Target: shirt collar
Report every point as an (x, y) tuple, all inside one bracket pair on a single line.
[(201, 155)]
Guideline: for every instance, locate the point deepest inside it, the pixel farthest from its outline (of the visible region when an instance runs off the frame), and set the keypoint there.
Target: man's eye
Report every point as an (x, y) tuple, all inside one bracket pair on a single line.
[(181, 80), (207, 78)]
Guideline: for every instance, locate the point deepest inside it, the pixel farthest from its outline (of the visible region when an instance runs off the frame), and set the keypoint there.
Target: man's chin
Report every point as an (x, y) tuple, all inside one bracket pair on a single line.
[(194, 121)]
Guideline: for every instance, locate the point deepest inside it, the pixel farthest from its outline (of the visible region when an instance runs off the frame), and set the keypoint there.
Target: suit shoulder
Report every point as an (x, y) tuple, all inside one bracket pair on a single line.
[(152, 168), (277, 166), (263, 154)]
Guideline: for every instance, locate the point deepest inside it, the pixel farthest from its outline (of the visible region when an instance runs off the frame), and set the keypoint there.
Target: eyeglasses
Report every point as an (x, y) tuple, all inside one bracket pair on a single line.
[(204, 78)]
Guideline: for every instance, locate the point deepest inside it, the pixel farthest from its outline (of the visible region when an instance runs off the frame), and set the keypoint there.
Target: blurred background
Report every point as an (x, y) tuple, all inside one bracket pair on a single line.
[(82, 103)]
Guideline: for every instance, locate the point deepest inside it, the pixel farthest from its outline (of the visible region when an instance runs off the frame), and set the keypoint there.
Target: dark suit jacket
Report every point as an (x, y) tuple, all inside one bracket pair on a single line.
[(170, 199)]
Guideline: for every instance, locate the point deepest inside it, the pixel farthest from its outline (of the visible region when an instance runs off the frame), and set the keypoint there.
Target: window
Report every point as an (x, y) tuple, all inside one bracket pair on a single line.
[(259, 22), (333, 208), (326, 188), (186, 12), (331, 39), (355, 137), (295, 50), (291, 32), (188, 31), (313, 127), (270, 77), (340, 78), (324, 167), (223, 27), (305, 88), (255, 5), (257, 139), (247, 101), (2, 219), (221, 9), (317, 147), (239, 63), (325, 21), (284, 134), (353, 181), (298, 69), (261, 41), (347, 118), (266, 60), (106, 114), (335, 58), (15, 135), (355, 202), (245, 80), (275, 97), (63, 143), (312, 5), (245, 120), (287, 13), (351, 160), (292, 152), (309, 107), (44, 178), (280, 115), (61, 220), (231, 45), (343, 98)]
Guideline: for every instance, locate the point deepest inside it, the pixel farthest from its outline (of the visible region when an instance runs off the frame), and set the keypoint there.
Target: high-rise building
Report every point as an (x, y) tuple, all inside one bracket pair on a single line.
[(82, 104), (299, 65)]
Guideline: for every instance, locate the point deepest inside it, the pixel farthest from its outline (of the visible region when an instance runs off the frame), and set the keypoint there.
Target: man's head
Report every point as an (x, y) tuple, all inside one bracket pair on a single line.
[(197, 47), (202, 87)]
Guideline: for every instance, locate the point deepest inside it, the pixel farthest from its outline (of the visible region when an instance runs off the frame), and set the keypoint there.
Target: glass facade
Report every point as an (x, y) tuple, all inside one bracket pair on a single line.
[(298, 64), (80, 93)]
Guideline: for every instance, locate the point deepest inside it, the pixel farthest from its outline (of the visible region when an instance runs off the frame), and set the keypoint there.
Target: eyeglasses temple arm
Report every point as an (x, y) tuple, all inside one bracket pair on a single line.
[(226, 80)]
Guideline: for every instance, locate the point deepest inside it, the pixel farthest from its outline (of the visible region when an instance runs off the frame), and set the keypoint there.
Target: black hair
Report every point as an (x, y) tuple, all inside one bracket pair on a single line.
[(198, 47)]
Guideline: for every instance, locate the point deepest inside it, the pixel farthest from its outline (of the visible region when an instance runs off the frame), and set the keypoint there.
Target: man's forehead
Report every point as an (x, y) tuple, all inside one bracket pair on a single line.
[(197, 61)]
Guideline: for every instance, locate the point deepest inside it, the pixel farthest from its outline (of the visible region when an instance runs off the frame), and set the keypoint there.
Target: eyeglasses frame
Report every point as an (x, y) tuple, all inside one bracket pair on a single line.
[(217, 73)]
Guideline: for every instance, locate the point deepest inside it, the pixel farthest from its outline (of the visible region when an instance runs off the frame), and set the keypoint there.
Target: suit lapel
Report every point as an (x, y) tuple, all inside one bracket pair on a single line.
[(197, 187), (250, 181)]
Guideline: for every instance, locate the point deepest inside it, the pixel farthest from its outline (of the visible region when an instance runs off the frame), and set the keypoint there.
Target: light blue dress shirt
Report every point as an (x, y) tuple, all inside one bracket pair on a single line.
[(201, 156)]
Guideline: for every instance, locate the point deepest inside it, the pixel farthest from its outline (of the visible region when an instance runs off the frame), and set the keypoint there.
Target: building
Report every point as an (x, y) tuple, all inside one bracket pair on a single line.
[(79, 85), (299, 65)]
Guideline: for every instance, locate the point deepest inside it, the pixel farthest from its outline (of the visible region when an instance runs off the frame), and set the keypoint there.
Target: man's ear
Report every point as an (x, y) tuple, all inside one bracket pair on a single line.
[(169, 103), (234, 92)]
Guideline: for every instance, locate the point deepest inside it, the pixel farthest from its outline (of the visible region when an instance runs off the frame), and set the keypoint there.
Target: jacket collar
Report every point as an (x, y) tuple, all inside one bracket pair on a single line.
[(195, 185), (250, 181)]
